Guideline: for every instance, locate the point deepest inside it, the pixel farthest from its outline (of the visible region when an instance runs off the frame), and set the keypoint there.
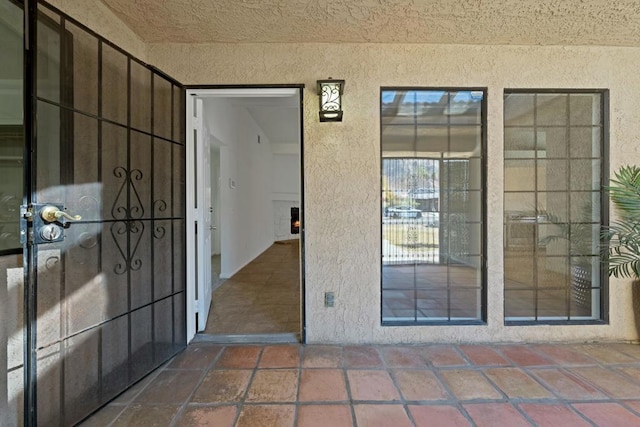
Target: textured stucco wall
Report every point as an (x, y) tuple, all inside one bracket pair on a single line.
[(342, 165), (98, 17)]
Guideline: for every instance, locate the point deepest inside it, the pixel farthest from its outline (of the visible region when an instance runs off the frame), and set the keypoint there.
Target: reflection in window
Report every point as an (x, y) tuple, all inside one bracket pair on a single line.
[(432, 210), (11, 128), (553, 151)]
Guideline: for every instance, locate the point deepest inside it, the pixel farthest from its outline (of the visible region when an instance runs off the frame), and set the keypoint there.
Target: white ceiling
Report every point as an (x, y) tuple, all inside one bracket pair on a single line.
[(514, 22), (277, 116)]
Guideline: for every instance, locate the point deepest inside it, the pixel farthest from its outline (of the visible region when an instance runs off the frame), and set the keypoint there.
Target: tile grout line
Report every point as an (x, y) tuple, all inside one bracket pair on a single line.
[(352, 410), (457, 402), (205, 371), (241, 402)]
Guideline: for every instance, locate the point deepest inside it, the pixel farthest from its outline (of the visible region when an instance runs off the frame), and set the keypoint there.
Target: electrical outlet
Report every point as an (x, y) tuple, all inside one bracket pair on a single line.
[(328, 299)]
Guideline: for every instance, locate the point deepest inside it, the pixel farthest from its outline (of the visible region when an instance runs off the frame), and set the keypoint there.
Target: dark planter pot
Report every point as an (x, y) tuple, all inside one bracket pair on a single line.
[(581, 288)]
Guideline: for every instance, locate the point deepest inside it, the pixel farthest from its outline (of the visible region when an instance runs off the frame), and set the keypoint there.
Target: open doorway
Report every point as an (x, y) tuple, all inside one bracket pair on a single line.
[(244, 185)]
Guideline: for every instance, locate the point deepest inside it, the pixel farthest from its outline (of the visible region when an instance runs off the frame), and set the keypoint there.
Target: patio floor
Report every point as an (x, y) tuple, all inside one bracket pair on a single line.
[(391, 386)]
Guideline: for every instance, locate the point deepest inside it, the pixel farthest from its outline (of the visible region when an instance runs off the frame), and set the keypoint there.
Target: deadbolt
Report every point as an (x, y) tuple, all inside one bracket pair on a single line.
[(51, 232)]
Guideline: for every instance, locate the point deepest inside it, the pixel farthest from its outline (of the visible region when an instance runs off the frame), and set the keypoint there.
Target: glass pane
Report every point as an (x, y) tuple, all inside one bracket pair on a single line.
[(11, 169), (426, 141), (467, 274), (553, 271), (585, 207), (552, 143), (585, 141), (519, 175), (518, 268), (585, 108), (465, 303), (399, 305), (464, 141), (428, 107), (520, 204), (551, 109), (519, 143), (552, 175), (585, 174), (465, 107), (552, 303), (427, 275), (400, 141), (518, 109), (433, 305), (554, 205), (519, 304)]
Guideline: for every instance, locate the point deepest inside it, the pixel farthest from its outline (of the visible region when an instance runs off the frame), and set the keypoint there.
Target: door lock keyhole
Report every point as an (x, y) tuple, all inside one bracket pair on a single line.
[(51, 232)]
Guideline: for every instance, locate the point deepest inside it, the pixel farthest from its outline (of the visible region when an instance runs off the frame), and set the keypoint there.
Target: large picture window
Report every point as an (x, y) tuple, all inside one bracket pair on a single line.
[(432, 205), (554, 154)]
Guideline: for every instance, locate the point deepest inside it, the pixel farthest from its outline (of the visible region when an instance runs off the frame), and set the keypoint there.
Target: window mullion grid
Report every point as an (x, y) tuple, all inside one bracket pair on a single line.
[(567, 135), (448, 258), (536, 208), (415, 155)]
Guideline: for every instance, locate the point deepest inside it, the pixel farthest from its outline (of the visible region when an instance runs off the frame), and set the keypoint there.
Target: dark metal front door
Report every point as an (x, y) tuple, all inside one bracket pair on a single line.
[(104, 221)]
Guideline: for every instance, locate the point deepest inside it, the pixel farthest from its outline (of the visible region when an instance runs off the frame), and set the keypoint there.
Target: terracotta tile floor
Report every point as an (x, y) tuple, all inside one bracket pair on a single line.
[(427, 385), (261, 298)]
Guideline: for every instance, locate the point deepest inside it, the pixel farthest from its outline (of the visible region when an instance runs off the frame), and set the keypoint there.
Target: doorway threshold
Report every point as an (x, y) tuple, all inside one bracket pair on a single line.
[(284, 338)]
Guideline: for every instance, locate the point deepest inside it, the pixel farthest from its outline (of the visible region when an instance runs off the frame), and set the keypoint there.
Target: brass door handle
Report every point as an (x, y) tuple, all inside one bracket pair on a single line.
[(52, 214)]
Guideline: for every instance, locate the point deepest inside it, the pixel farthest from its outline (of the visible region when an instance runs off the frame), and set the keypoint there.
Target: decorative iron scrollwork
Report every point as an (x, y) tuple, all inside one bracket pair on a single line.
[(125, 207), (128, 209)]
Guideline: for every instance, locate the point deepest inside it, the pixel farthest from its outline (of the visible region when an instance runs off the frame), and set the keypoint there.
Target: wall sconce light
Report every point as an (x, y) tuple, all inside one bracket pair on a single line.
[(330, 93)]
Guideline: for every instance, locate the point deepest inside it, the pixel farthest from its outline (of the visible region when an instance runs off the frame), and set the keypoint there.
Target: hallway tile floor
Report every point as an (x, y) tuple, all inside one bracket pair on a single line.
[(390, 386), (262, 298)]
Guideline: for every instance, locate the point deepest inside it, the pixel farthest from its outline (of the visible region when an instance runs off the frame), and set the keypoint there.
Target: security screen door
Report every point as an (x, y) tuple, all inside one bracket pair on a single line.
[(105, 222)]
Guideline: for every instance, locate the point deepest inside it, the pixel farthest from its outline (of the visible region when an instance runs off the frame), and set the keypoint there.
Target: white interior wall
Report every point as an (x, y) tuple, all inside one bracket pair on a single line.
[(214, 153), (246, 215), (286, 189)]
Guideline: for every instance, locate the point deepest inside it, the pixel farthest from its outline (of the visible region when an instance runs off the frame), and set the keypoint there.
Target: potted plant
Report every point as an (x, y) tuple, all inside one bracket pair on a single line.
[(579, 235), (623, 235)]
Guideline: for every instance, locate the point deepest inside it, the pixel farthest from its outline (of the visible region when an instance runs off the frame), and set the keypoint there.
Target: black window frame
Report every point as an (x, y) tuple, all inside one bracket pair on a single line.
[(482, 320), (604, 204)]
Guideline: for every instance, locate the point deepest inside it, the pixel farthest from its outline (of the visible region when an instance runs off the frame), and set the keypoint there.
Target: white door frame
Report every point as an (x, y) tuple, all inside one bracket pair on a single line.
[(194, 306)]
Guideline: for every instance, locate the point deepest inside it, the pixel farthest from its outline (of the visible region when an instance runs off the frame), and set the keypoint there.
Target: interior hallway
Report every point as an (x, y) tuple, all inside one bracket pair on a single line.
[(263, 297), (391, 386)]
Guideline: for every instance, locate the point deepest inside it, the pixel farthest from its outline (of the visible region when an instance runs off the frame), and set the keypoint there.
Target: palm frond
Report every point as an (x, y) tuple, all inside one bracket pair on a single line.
[(625, 191), (623, 239)]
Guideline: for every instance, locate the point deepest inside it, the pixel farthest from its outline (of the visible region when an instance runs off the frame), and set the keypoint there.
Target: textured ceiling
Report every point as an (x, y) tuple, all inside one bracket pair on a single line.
[(522, 22)]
